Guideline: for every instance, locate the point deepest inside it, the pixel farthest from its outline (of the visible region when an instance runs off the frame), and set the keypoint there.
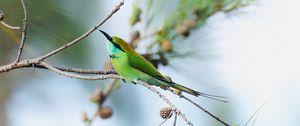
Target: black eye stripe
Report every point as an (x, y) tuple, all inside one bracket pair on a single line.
[(118, 46)]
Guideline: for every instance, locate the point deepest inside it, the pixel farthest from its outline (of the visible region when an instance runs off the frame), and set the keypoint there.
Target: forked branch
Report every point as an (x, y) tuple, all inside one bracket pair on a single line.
[(24, 32), (36, 61)]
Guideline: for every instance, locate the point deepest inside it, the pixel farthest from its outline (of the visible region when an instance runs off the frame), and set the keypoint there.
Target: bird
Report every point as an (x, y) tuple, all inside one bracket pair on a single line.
[(134, 67)]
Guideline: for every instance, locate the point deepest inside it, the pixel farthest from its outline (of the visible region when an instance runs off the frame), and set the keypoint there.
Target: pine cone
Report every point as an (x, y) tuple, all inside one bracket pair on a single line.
[(105, 112), (166, 112)]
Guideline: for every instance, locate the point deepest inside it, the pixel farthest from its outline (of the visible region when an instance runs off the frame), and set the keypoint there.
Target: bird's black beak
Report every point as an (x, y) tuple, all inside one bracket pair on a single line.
[(106, 35)]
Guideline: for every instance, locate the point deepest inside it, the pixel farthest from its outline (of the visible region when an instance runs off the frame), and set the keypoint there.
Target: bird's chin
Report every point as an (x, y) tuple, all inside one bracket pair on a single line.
[(109, 47)]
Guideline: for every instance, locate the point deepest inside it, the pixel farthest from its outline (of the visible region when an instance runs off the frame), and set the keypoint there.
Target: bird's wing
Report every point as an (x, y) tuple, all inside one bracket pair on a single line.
[(139, 62)]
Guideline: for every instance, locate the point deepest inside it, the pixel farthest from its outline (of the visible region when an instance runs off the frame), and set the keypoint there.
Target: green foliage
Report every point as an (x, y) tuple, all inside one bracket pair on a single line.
[(135, 16), (191, 14), (174, 20)]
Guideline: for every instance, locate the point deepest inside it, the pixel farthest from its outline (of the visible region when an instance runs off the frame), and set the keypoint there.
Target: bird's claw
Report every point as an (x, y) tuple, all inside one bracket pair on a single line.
[(163, 87), (124, 80), (133, 82)]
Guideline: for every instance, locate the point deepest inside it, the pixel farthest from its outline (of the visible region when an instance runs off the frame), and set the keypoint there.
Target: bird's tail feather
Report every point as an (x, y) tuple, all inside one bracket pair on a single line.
[(197, 93)]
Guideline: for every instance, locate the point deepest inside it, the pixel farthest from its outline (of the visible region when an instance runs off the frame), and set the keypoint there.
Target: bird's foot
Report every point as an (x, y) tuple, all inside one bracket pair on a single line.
[(164, 87), (124, 80), (133, 82)]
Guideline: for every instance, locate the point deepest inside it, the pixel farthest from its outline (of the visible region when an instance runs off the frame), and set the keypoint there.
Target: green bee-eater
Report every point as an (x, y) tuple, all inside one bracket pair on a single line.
[(134, 67)]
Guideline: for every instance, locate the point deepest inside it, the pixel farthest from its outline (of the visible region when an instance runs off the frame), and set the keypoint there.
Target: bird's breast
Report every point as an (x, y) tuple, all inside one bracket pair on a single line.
[(122, 67)]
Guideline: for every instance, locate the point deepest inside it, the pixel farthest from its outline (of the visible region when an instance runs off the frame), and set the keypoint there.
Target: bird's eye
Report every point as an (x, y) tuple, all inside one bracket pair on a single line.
[(118, 46)]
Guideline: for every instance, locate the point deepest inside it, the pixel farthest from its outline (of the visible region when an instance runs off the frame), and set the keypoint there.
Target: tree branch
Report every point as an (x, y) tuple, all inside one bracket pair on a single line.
[(18, 65), (109, 89), (36, 61), (84, 71), (24, 32), (117, 7), (76, 70), (83, 77)]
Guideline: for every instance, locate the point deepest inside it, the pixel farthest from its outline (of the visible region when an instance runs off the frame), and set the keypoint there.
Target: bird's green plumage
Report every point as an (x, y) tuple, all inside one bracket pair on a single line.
[(134, 67), (139, 62)]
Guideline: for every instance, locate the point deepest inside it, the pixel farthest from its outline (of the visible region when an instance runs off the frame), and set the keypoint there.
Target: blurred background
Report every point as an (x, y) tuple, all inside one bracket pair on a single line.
[(245, 50)]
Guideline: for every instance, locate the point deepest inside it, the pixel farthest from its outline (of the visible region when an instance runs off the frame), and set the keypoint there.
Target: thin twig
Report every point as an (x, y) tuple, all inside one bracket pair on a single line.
[(110, 88), (255, 118), (176, 110), (83, 77), (77, 70), (203, 109), (175, 119), (107, 92), (163, 122), (2, 16), (117, 7), (85, 71), (92, 119), (9, 26), (256, 112), (34, 63), (24, 32)]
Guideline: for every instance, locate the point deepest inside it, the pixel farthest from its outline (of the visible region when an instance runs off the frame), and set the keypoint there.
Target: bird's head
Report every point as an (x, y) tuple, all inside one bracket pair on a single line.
[(116, 44)]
